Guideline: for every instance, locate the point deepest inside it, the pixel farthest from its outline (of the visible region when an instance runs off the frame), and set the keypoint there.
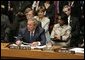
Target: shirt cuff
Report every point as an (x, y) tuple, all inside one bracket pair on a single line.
[(39, 43)]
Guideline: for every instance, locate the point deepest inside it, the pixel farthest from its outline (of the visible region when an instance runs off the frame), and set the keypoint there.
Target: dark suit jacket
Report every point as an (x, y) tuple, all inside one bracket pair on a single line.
[(75, 25), (75, 32), (39, 35), (76, 9), (5, 26)]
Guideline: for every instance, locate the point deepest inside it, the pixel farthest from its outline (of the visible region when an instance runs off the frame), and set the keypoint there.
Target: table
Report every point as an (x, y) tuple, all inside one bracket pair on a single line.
[(35, 54)]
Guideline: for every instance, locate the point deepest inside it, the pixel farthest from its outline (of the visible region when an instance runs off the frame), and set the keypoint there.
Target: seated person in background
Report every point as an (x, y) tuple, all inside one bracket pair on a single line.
[(44, 22), (5, 25), (61, 32), (33, 34), (75, 26), (29, 13), (81, 42)]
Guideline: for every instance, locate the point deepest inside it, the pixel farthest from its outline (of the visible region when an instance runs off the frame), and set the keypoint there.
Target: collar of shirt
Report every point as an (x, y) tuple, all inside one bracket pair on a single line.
[(32, 32), (63, 26), (69, 20)]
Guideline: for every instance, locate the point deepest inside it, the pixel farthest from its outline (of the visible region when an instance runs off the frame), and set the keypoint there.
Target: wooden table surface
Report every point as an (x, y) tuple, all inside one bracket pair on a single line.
[(36, 54)]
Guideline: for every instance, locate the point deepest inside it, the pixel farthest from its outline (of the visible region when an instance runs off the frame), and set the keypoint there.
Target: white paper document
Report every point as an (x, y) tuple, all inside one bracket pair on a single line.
[(40, 47), (77, 50), (28, 45)]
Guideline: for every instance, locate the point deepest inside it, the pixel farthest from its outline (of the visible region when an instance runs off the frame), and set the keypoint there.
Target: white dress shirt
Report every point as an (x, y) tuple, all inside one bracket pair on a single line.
[(69, 20), (63, 31)]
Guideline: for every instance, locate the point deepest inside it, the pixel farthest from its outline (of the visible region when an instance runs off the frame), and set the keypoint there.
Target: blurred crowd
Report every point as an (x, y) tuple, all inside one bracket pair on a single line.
[(50, 14)]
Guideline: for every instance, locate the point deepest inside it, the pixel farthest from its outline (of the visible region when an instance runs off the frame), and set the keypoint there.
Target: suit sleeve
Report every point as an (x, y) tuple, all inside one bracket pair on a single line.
[(50, 10), (76, 29), (20, 34), (43, 38)]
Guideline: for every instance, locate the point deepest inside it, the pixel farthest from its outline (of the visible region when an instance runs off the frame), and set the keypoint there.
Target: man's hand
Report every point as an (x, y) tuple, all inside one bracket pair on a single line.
[(18, 42), (34, 44), (57, 37)]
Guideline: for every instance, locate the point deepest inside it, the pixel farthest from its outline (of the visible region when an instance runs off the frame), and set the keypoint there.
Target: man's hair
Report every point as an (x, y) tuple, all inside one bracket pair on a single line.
[(42, 8), (34, 20), (28, 10), (67, 6), (64, 18)]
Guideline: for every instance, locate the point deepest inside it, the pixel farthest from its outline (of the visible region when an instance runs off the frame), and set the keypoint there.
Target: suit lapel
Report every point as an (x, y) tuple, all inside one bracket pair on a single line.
[(27, 35), (35, 35), (71, 21)]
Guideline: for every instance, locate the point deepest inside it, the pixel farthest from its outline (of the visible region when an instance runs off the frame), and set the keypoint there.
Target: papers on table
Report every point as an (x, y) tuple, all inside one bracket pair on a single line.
[(26, 46), (77, 50), (39, 47), (22, 45), (13, 45)]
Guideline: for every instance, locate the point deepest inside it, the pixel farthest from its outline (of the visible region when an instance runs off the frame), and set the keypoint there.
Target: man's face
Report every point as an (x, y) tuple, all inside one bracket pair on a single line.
[(30, 25), (67, 11), (29, 14)]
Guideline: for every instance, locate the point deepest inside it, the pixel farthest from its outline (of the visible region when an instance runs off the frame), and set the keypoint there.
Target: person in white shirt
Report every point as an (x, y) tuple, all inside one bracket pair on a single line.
[(61, 32), (44, 22)]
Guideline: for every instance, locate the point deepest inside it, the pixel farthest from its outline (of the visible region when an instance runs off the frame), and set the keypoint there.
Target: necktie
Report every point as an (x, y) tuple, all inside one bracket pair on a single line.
[(31, 36)]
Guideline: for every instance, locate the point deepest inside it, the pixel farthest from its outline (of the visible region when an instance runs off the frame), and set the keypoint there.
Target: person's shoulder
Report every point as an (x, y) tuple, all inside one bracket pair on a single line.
[(23, 29), (74, 17), (56, 25), (46, 18), (35, 16), (40, 29), (23, 22), (67, 26)]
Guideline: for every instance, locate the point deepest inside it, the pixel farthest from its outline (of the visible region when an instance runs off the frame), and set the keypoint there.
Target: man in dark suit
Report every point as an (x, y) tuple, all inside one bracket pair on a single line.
[(75, 25), (5, 25), (29, 13), (33, 33)]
